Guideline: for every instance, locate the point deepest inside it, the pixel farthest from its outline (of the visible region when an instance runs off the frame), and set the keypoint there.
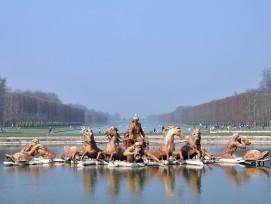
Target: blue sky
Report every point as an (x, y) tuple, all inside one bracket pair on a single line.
[(144, 57)]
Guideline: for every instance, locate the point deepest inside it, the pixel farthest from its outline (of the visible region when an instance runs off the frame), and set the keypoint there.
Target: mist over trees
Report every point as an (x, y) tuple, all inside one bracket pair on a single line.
[(27, 109), (92, 116), (252, 108)]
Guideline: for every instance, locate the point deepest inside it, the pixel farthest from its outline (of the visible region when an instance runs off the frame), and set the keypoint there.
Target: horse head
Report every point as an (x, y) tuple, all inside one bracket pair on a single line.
[(88, 136), (112, 132), (172, 131), (195, 138)]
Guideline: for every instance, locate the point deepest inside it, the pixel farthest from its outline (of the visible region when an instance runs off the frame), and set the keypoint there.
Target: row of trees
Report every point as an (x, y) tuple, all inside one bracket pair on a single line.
[(25, 109), (252, 108)]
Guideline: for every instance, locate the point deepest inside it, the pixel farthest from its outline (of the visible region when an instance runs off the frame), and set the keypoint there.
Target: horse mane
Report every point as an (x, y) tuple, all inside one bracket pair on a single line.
[(118, 137)]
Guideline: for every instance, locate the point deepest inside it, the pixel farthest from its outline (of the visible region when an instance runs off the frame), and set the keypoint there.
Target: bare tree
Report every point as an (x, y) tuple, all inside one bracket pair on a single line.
[(265, 83), (3, 90)]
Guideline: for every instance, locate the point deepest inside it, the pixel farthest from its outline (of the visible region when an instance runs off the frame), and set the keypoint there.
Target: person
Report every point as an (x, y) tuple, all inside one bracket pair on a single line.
[(35, 148), (235, 142), (32, 148), (135, 130), (136, 152)]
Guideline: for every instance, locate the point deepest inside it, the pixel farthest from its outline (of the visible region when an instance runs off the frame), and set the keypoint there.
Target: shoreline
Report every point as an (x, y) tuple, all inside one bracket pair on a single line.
[(206, 139)]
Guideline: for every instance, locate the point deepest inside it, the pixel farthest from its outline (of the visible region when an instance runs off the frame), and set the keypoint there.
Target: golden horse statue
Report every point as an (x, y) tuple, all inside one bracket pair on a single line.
[(90, 148), (113, 148), (191, 148), (168, 146)]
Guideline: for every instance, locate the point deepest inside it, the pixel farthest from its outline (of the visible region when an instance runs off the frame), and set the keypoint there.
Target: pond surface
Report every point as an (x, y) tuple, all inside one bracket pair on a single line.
[(99, 184)]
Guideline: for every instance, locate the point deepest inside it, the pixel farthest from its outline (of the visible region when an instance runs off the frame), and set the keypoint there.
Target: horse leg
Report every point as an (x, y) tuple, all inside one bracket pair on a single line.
[(167, 153), (74, 155), (198, 154), (99, 154), (193, 153), (83, 155), (178, 153), (111, 156)]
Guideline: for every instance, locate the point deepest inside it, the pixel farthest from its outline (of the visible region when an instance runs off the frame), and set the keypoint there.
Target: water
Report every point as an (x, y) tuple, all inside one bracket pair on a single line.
[(99, 184)]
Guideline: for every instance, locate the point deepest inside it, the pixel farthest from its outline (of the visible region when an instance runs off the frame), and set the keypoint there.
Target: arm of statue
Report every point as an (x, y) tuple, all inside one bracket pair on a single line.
[(142, 132), (147, 153), (131, 127), (26, 149), (241, 145), (33, 150), (129, 151)]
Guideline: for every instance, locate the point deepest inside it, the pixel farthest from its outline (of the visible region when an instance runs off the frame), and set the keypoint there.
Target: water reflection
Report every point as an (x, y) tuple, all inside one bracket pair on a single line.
[(90, 178), (167, 177), (32, 170), (172, 179), (113, 179), (239, 174), (135, 179), (193, 178)]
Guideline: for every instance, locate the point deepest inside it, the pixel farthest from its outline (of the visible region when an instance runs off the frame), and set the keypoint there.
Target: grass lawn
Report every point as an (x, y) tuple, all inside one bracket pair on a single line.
[(62, 131)]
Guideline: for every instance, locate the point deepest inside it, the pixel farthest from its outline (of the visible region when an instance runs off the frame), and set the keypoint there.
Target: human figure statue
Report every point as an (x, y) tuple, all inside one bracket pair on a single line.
[(32, 148), (235, 142), (35, 148), (136, 152), (135, 130)]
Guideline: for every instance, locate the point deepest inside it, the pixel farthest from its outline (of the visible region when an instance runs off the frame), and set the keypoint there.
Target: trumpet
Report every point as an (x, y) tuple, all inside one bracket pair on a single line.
[(137, 156)]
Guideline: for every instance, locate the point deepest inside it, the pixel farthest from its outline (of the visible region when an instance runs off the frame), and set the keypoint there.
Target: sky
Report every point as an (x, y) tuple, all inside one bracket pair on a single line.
[(135, 57)]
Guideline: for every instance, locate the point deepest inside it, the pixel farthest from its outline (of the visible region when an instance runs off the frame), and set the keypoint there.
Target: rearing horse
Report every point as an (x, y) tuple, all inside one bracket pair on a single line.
[(192, 147), (168, 146), (113, 149), (90, 148)]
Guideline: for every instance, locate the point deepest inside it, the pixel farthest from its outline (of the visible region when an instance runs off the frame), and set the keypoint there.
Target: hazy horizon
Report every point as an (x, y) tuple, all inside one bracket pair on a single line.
[(143, 57)]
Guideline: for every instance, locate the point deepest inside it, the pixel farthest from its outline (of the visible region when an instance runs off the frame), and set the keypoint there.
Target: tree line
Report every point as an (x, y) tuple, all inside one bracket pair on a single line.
[(252, 108), (28, 109)]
